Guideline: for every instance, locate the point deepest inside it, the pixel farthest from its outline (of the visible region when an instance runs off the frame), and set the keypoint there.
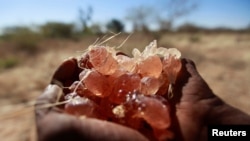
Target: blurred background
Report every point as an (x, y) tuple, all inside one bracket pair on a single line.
[(36, 36)]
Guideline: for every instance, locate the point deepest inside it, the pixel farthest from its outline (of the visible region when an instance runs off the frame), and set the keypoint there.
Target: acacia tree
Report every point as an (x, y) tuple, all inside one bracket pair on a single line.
[(174, 9), (140, 17), (85, 17)]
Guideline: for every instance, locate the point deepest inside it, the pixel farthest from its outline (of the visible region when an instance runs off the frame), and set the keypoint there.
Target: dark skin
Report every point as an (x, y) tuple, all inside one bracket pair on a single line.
[(193, 107)]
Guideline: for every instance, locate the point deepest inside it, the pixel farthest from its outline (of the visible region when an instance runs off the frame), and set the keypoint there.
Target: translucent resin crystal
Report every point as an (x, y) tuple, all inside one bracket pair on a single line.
[(131, 91)]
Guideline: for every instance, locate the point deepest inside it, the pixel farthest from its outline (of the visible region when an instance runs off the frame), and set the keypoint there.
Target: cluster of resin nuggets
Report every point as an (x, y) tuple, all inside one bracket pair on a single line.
[(132, 91)]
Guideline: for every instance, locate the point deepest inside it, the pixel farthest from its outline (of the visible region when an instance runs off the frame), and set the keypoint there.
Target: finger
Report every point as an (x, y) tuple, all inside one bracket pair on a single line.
[(66, 73), (182, 79), (72, 128), (188, 81), (187, 71), (44, 103), (191, 67)]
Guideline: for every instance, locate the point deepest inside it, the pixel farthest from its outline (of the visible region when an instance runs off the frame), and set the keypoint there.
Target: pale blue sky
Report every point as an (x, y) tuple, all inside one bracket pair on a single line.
[(210, 13)]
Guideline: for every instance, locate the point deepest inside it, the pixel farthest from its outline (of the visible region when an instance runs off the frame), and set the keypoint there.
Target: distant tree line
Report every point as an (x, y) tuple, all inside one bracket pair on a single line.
[(68, 30), (140, 18)]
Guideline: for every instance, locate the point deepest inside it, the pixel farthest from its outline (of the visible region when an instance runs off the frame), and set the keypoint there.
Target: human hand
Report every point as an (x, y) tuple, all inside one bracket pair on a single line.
[(195, 107), (53, 124), (191, 104)]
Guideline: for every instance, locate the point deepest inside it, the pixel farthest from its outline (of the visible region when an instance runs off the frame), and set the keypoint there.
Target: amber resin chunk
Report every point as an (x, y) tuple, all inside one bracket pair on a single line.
[(123, 85), (149, 85), (102, 60), (95, 82), (81, 106), (131, 91)]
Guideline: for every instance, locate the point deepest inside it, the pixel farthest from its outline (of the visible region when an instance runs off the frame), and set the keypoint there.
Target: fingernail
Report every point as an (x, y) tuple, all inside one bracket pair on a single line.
[(48, 87), (52, 87), (52, 90)]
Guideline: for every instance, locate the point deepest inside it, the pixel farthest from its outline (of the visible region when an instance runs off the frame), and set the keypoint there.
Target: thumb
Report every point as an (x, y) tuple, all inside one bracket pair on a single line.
[(45, 101)]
